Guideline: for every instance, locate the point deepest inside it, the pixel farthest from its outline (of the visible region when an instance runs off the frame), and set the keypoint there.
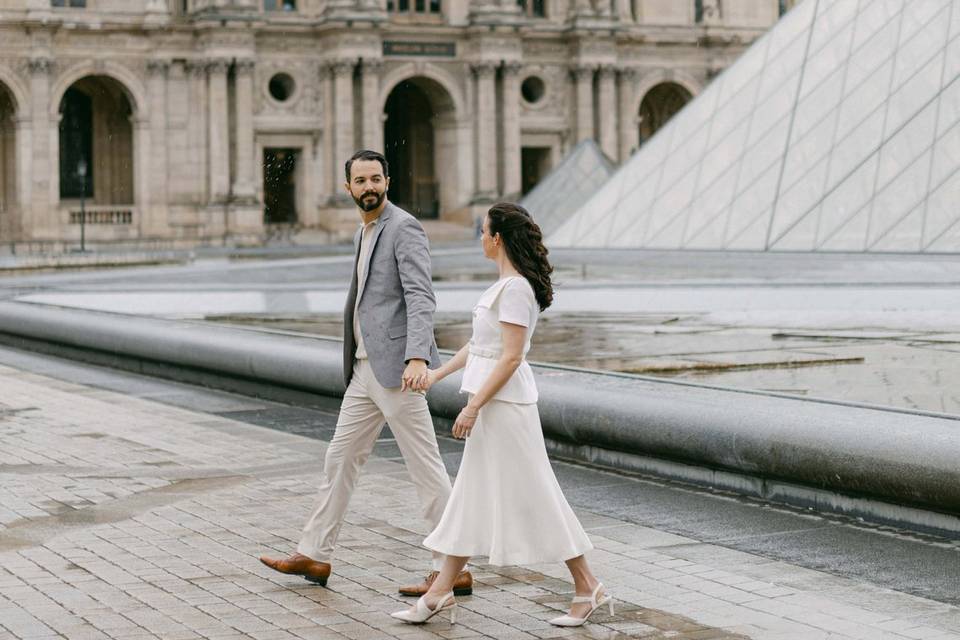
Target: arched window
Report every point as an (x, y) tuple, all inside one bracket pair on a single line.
[(659, 105), (533, 8)]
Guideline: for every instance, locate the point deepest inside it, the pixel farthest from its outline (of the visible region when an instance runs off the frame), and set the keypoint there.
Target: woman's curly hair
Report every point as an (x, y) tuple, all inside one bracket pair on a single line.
[(523, 242)]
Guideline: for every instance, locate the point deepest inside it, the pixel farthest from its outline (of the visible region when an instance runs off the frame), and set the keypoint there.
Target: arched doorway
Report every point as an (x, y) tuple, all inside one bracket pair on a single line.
[(660, 104), (8, 162), (96, 133), (420, 146)]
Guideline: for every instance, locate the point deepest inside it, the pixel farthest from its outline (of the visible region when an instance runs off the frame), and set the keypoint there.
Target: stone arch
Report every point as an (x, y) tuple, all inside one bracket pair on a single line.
[(661, 76), (11, 106), (445, 80), (132, 85), (658, 106), (18, 94), (96, 142)]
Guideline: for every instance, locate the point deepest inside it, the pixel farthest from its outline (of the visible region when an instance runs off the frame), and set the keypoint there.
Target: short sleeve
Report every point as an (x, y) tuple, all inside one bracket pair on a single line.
[(516, 303)]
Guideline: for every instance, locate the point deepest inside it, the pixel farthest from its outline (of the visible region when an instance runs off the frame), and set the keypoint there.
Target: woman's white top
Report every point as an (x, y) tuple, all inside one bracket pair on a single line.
[(507, 300)]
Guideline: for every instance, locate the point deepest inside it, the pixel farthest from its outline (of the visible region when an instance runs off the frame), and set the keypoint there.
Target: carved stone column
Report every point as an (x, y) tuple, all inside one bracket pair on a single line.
[(343, 133), (510, 162), (329, 180), (370, 70), (197, 148), (153, 212), (607, 111), (244, 188), (486, 92), (629, 127), (219, 136), (583, 81), (44, 165)]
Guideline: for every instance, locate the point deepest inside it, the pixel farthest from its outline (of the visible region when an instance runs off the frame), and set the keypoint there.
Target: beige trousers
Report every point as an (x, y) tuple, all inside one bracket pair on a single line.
[(366, 405)]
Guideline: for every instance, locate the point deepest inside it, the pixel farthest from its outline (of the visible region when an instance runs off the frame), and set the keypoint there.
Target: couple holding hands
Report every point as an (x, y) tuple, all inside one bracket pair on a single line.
[(505, 504)]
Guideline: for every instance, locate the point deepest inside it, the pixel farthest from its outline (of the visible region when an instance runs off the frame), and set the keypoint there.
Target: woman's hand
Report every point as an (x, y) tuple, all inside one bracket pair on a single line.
[(464, 423), (430, 380)]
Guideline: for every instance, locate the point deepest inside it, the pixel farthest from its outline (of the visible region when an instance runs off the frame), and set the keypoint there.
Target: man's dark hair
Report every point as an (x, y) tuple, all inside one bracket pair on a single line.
[(366, 154)]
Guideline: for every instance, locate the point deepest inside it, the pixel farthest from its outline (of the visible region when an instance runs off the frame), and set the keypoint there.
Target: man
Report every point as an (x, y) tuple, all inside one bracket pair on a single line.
[(388, 344)]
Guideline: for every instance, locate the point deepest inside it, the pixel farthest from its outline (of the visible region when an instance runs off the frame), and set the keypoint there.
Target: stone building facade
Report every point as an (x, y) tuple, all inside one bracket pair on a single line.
[(216, 120)]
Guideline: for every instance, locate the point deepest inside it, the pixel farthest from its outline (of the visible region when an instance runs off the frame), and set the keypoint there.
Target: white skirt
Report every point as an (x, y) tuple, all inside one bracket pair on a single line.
[(506, 504)]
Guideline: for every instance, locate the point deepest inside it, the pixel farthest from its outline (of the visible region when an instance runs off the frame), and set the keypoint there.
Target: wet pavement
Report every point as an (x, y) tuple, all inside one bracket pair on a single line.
[(877, 329), (132, 507)]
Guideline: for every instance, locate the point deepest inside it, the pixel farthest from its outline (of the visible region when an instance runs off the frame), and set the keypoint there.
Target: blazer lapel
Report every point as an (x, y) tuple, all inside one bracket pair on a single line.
[(377, 230)]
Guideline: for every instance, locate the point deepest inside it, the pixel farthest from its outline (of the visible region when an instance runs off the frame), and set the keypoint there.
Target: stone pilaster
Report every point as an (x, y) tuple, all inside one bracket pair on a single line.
[(244, 189), (607, 111), (510, 162), (44, 167), (629, 127), (157, 74), (370, 70), (197, 148), (486, 92), (343, 133), (219, 131), (583, 87), (329, 180)]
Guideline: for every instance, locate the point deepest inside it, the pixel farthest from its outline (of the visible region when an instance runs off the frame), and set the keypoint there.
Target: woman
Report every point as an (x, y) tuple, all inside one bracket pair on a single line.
[(506, 503)]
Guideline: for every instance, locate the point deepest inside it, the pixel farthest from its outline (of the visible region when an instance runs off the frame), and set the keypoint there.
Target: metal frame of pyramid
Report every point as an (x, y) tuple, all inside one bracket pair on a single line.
[(838, 130)]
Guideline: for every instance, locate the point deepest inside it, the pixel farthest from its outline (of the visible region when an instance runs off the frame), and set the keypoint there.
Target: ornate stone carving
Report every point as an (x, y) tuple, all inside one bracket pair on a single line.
[(606, 71), (343, 66), (483, 69), (245, 66), (512, 68), (40, 66), (218, 65), (372, 65), (158, 67), (582, 71), (195, 67)]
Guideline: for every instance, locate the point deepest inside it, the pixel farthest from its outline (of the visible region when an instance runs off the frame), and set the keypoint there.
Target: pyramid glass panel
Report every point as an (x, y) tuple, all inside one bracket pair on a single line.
[(561, 192), (839, 130)]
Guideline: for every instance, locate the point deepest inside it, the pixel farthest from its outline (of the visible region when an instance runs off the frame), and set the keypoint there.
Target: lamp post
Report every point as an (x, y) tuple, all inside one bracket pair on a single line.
[(82, 173)]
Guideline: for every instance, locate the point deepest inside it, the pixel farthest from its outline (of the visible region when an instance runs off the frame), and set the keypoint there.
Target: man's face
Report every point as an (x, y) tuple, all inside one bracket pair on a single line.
[(367, 186)]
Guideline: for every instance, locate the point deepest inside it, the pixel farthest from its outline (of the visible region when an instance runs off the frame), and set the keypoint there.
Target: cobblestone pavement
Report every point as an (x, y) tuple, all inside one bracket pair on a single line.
[(122, 517)]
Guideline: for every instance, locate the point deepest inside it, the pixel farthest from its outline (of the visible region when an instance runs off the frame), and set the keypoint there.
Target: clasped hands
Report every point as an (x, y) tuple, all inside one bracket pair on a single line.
[(417, 377)]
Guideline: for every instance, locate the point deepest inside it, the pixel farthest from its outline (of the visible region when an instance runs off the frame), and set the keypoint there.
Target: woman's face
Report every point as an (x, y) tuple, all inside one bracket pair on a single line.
[(491, 248)]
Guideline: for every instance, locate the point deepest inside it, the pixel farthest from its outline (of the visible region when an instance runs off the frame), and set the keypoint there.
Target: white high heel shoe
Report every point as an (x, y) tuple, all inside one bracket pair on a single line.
[(422, 612), (571, 621)]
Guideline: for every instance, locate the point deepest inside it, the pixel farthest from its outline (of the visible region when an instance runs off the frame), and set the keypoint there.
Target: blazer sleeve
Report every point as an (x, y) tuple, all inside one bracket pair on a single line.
[(413, 264)]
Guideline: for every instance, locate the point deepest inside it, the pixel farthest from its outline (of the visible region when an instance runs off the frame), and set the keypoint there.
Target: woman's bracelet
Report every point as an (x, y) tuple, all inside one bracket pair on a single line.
[(464, 412)]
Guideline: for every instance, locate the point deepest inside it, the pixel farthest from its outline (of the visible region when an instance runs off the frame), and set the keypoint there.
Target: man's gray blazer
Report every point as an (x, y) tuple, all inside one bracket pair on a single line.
[(397, 302)]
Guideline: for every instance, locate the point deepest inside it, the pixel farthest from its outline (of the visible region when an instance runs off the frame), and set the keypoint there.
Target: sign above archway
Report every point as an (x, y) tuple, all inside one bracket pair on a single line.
[(432, 49)]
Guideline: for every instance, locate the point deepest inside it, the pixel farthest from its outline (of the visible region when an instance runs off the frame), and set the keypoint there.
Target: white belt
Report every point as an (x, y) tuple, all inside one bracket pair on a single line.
[(484, 352)]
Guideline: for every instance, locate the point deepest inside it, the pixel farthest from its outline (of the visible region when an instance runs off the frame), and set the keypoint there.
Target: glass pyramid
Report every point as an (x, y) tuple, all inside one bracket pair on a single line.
[(838, 130), (565, 189)]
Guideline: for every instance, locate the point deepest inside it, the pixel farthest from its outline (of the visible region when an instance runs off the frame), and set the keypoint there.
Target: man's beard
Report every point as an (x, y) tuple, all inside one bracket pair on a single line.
[(369, 205)]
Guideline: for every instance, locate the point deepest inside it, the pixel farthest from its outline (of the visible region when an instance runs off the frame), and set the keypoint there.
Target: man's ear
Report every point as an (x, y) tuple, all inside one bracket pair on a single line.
[(346, 185)]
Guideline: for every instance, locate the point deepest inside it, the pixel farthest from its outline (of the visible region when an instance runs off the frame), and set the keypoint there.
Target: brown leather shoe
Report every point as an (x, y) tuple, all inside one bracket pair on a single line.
[(300, 565), (462, 586)]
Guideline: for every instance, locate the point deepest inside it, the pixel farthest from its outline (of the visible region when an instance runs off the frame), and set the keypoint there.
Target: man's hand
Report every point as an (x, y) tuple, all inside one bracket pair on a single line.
[(415, 375)]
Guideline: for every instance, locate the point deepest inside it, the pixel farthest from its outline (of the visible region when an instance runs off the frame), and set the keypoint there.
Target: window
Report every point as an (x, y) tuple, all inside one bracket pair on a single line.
[(280, 5), (533, 8), (413, 6), (706, 10), (79, 4), (281, 87)]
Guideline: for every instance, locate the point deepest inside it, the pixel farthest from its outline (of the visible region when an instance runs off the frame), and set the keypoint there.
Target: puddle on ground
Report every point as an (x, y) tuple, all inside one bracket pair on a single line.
[(915, 370)]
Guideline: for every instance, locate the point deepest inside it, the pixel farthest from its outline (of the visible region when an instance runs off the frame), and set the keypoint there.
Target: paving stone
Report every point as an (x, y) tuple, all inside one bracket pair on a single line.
[(136, 520)]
